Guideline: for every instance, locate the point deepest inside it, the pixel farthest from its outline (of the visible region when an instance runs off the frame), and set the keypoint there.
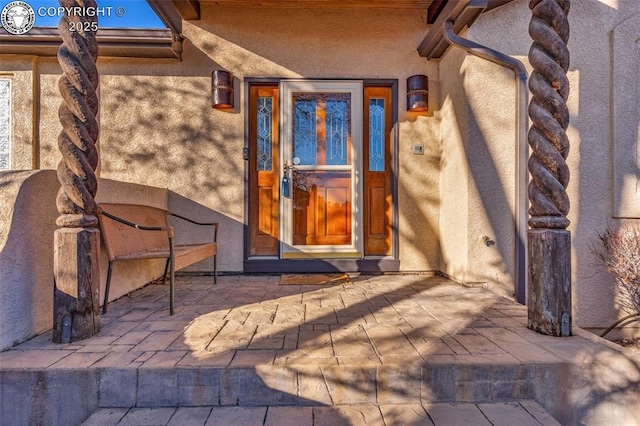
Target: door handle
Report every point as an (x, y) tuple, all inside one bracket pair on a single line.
[(286, 183)]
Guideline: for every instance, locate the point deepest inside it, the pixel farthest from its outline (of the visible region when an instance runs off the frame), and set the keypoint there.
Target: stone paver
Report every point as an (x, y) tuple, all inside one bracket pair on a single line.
[(147, 417), (190, 416), (249, 416), (106, 417), (457, 414), (508, 414), (289, 416)]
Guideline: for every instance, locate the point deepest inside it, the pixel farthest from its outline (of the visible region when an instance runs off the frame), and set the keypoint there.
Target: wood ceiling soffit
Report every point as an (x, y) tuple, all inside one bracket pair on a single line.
[(334, 4), (463, 13), (188, 9)]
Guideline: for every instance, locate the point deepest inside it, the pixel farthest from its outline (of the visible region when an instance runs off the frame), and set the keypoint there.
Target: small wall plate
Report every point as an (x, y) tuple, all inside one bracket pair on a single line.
[(417, 149)]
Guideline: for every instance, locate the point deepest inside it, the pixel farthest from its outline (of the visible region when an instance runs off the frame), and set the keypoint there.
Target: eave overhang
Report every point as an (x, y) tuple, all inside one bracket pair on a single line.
[(112, 42), (462, 13)]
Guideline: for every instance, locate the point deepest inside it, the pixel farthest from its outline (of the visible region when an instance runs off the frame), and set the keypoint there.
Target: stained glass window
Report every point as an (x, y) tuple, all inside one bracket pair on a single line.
[(337, 122), (265, 133), (321, 124), (304, 131), (5, 123), (376, 135)]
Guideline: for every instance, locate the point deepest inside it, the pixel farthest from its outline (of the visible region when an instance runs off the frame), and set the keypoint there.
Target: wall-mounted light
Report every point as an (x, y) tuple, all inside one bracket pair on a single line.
[(418, 93), (222, 90)]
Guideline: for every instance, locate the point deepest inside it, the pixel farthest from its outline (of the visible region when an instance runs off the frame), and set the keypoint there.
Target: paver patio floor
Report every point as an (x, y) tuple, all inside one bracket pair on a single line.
[(376, 340), (252, 320)]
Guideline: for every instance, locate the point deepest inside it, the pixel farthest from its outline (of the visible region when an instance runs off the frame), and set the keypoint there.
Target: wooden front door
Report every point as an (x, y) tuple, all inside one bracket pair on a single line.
[(322, 187)]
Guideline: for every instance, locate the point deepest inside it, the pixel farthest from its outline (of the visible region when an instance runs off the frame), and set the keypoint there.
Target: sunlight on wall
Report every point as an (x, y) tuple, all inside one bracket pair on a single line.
[(232, 56)]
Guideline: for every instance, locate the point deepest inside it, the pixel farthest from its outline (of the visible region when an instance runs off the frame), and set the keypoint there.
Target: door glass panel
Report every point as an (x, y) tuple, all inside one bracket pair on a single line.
[(304, 134), (376, 135), (265, 133), (321, 123)]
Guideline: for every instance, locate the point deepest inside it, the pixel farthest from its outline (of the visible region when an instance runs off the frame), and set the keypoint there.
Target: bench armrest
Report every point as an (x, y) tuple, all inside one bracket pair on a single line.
[(214, 224), (132, 224)]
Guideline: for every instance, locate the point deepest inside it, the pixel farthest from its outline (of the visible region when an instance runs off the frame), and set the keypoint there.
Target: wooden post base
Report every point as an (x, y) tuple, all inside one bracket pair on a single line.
[(77, 284), (549, 292)]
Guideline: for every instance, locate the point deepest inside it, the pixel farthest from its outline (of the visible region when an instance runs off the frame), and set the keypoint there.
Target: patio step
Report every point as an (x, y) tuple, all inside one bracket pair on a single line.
[(521, 413), (68, 396), (323, 385)]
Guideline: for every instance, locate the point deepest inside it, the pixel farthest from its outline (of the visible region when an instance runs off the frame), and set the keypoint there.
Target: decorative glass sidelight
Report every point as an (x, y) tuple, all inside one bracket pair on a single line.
[(376, 135), (265, 133)]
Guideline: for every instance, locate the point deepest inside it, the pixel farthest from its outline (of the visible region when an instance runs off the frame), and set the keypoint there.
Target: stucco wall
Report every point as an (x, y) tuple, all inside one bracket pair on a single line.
[(591, 133), (454, 176), (488, 156), (625, 38), (27, 217), (478, 169)]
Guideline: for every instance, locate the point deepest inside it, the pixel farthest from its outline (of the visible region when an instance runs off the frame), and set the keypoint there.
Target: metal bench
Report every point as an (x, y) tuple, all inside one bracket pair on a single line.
[(133, 232)]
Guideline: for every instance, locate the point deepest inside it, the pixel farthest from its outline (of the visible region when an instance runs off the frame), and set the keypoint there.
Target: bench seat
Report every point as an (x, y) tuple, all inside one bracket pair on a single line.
[(185, 255), (136, 232)]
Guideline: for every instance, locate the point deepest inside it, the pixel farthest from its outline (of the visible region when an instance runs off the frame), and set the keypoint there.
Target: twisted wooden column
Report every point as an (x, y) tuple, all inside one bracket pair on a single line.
[(77, 243), (549, 292), (549, 56)]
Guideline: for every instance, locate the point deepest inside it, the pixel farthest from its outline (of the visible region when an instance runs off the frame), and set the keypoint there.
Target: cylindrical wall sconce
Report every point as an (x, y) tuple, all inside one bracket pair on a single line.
[(222, 90), (418, 93)]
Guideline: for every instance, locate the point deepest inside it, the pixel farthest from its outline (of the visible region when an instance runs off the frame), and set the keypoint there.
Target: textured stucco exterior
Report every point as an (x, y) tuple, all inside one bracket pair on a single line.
[(603, 47), (158, 129), (27, 213)]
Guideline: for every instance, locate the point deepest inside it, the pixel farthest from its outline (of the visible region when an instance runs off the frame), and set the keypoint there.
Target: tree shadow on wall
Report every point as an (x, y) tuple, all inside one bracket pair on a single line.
[(162, 131)]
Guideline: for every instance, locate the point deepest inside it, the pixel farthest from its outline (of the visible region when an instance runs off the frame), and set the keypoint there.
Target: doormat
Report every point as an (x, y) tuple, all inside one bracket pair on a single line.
[(314, 279)]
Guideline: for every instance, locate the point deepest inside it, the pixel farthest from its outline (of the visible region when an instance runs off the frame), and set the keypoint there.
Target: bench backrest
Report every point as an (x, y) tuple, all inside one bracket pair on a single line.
[(120, 239)]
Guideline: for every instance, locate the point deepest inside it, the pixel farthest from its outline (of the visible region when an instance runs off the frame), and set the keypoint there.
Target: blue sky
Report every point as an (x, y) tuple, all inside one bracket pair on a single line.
[(135, 14)]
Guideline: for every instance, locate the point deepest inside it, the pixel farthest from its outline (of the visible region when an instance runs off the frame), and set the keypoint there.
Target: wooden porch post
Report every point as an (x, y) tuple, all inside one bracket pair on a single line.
[(549, 242), (77, 242)]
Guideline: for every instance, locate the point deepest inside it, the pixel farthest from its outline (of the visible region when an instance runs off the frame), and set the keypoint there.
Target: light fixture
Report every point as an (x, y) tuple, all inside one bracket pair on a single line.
[(222, 90), (418, 93)]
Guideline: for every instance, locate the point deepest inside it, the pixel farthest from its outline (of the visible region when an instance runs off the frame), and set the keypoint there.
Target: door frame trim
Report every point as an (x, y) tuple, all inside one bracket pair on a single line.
[(287, 88)]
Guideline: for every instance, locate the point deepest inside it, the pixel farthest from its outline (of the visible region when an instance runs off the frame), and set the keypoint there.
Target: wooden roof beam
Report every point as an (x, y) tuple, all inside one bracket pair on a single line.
[(188, 9), (462, 13)]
